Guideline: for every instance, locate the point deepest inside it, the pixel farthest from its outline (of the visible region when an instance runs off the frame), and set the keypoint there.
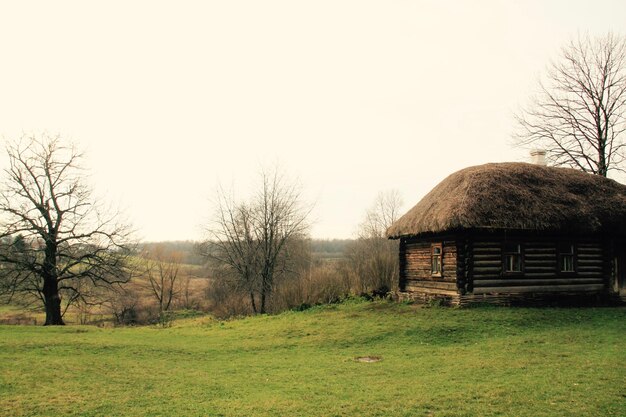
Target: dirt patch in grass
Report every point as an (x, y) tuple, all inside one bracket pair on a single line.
[(368, 359)]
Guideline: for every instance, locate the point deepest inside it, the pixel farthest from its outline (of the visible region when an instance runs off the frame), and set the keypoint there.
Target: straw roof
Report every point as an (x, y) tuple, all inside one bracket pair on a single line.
[(518, 196)]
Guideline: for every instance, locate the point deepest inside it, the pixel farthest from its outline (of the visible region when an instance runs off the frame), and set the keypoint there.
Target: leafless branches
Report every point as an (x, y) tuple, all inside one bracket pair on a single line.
[(251, 240), (162, 271), (384, 211), (54, 236), (373, 257), (579, 116)]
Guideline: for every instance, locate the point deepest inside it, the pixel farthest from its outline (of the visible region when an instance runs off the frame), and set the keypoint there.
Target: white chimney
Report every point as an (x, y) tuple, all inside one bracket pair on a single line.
[(538, 156)]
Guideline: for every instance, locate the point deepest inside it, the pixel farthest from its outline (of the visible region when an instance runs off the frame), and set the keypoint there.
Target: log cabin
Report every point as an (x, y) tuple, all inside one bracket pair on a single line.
[(515, 232)]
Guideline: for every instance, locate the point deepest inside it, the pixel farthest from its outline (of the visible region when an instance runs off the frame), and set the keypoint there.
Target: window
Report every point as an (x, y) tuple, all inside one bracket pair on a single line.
[(436, 266), (512, 258), (566, 257)]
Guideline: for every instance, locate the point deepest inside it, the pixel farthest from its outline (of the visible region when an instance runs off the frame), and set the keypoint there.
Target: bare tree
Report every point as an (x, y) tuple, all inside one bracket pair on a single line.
[(187, 302), (579, 115), (250, 241), (232, 246), (161, 270), (56, 242), (381, 215), (372, 256)]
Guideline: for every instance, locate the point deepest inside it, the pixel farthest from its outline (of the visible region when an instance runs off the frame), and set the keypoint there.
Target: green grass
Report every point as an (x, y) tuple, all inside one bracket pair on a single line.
[(435, 362)]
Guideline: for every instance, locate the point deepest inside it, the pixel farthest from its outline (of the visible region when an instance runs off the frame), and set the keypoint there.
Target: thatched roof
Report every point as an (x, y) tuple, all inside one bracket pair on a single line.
[(518, 196)]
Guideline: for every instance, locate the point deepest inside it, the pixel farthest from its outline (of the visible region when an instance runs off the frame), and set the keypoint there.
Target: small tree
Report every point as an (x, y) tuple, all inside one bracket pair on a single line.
[(250, 241), (161, 271), (579, 116), (55, 241)]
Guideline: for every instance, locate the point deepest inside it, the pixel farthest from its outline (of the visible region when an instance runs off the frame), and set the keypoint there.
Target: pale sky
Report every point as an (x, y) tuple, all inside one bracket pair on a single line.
[(350, 97)]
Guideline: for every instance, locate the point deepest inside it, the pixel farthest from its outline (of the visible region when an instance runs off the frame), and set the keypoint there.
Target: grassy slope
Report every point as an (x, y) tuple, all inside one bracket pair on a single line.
[(439, 362)]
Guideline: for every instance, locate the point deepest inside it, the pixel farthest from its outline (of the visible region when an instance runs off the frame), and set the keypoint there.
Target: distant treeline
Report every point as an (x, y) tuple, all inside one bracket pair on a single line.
[(188, 250), (330, 248), (191, 254)]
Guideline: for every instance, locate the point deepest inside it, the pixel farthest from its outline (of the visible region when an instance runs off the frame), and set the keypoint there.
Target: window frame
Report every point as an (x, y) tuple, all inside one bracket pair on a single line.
[(505, 255), (561, 254), (433, 256)]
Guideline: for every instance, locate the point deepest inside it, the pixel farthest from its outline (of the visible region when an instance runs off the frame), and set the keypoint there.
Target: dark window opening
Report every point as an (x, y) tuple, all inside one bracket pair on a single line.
[(567, 258), (512, 258)]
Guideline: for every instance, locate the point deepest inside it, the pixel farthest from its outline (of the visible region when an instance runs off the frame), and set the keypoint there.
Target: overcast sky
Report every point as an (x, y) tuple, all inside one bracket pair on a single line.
[(350, 97)]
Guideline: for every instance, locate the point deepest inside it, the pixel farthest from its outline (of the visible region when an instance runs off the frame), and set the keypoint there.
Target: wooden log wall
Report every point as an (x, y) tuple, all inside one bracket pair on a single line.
[(415, 267), (540, 268), (461, 258), (402, 263)]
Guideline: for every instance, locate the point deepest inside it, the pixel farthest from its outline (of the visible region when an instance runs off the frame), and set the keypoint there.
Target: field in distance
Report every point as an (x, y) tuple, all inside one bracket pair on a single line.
[(433, 362)]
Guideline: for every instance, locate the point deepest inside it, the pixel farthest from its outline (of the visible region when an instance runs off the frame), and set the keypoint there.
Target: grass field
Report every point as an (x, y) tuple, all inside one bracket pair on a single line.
[(435, 362)]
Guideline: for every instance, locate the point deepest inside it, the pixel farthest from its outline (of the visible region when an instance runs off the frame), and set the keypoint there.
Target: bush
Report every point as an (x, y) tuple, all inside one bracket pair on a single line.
[(324, 284), (226, 300), (127, 316)]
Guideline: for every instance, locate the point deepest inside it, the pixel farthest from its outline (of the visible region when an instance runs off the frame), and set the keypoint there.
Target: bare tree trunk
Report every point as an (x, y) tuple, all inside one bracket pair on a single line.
[(51, 285), (253, 302), (53, 302), (602, 162), (262, 301)]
